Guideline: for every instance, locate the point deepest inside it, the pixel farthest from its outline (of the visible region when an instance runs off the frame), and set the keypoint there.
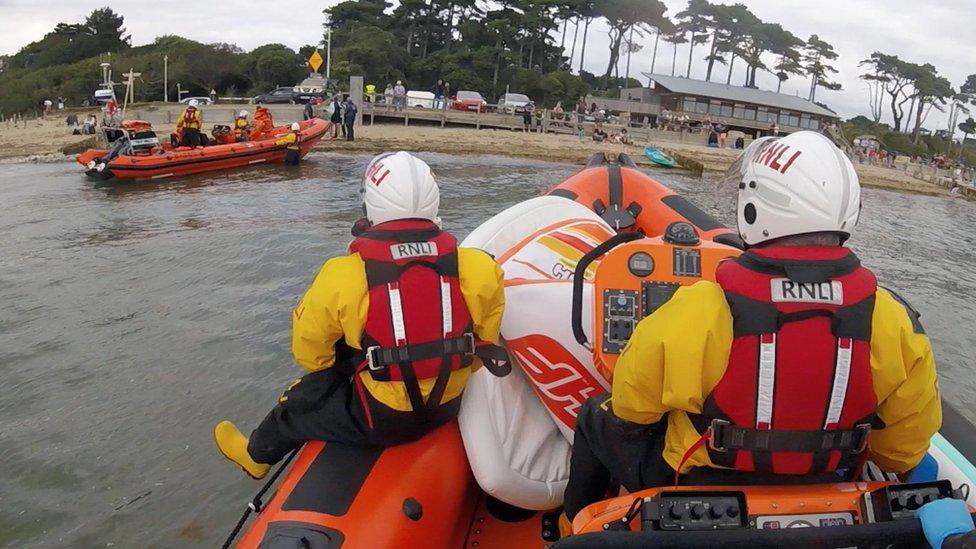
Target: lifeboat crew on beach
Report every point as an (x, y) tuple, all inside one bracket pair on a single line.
[(241, 126), (293, 144), (795, 366), (390, 332), (188, 125)]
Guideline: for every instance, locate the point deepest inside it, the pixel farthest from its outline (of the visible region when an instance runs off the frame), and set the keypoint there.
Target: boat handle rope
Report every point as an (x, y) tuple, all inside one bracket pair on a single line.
[(255, 505), (580, 274)]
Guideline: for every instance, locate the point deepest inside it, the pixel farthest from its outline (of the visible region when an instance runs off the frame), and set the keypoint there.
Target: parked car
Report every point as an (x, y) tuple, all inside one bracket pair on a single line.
[(513, 103), (302, 97), (201, 100), (277, 95), (420, 99), (103, 96), (469, 101)]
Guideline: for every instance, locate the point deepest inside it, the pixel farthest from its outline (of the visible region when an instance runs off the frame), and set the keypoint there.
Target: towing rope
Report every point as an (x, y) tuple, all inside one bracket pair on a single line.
[(255, 505)]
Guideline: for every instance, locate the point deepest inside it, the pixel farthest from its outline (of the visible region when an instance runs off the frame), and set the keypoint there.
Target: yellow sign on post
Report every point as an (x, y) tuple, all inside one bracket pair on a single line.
[(315, 61)]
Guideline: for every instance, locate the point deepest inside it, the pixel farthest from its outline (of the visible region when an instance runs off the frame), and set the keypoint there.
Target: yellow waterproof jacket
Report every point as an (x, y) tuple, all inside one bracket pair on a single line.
[(240, 127), (334, 308), (677, 356), (290, 139), (190, 119)]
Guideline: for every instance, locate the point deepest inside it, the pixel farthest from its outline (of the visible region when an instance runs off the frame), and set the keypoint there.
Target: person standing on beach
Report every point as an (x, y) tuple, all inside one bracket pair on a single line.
[(349, 117), (438, 91), (336, 118), (308, 112), (527, 117), (399, 96)]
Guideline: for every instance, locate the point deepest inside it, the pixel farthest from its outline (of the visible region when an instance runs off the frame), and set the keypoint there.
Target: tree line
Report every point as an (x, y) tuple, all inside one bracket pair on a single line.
[(898, 82), (65, 63), (490, 47)]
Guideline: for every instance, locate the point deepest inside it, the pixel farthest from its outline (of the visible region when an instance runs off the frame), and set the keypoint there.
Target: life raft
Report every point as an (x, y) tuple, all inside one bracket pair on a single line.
[(138, 153), (577, 280)]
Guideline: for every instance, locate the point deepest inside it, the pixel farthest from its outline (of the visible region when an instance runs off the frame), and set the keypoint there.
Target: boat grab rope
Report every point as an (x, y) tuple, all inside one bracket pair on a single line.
[(255, 505)]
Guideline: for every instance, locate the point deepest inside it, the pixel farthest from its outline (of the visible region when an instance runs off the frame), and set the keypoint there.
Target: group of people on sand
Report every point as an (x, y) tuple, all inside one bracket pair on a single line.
[(692, 395)]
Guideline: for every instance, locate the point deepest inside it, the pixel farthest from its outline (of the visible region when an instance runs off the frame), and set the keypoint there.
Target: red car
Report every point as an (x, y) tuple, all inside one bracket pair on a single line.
[(469, 101)]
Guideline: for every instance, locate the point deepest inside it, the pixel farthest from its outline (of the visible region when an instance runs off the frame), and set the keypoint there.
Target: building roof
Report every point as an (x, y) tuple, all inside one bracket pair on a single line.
[(737, 93)]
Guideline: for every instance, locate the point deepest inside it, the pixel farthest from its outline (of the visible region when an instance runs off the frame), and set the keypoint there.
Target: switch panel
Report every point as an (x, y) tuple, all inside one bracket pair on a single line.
[(903, 500), (621, 310), (674, 510)]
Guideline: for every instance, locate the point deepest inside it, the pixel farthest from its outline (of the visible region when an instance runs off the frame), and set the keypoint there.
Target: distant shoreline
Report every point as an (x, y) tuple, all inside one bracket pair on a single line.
[(51, 136)]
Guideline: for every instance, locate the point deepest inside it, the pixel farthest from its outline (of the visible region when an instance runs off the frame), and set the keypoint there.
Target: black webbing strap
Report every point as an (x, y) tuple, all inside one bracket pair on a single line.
[(726, 436), (440, 385), (378, 358), (412, 386), (494, 358), (799, 316)]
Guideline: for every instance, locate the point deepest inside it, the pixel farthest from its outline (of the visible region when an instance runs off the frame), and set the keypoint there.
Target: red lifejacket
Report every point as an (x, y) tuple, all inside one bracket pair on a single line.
[(418, 325), (190, 119), (797, 395)]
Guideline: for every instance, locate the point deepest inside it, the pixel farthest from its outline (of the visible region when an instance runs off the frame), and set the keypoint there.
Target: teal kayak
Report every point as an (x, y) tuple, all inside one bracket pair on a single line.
[(659, 157)]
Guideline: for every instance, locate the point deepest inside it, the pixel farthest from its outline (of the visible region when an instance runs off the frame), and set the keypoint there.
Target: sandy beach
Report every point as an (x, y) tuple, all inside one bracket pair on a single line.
[(51, 136)]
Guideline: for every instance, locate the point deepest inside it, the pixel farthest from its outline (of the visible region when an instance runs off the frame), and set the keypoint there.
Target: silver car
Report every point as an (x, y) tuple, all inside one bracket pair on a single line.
[(513, 103)]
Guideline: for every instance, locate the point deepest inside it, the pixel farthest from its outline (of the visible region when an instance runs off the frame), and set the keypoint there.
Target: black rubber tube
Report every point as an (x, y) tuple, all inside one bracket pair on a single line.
[(579, 276), (906, 533)]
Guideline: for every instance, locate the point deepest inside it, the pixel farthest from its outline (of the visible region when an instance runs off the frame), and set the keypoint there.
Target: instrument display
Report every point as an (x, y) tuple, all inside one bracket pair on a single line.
[(814, 520), (687, 262)]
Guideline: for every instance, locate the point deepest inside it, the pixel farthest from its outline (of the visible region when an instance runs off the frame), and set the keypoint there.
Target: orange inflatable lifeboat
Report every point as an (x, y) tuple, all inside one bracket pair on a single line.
[(629, 200), (576, 284), (138, 153)]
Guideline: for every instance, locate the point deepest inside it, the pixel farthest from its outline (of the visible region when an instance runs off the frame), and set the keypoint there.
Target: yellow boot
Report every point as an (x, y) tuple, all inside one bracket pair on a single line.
[(233, 444)]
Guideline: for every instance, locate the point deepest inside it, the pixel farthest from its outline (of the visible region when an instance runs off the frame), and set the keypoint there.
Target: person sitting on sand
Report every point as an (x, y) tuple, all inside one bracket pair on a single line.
[(625, 137), (599, 135)]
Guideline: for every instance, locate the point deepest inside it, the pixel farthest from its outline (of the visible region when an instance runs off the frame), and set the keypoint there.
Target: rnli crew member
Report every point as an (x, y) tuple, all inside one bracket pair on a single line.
[(793, 367), (391, 332), (240, 127), (293, 144), (188, 125), (263, 123)]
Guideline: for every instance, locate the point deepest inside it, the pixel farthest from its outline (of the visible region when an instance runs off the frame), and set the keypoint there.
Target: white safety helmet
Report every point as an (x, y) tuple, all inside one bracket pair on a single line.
[(793, 185), (242, 114), (193, 103), (399, 186), (295, 126)]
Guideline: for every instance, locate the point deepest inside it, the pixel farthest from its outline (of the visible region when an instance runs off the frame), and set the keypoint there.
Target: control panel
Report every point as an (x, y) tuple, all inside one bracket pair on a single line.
[(634, 279), (620, 315), (903, 500), (697, 510)]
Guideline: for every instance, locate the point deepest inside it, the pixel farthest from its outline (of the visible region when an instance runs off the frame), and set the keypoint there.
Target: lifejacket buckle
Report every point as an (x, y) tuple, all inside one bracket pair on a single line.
[(716, 440), (864, 432), (372, 360), (470, 344)]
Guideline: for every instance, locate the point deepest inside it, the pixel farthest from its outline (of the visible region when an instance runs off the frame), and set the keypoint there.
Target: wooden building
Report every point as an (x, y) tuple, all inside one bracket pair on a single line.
[(748, 109)]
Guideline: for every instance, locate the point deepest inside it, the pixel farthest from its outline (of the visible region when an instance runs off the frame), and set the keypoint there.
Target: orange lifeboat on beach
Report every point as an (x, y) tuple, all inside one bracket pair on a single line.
[(138, 154), (579, 275)]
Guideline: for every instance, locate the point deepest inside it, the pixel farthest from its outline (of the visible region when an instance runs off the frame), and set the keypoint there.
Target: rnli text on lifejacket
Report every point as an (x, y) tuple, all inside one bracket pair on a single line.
[(785, 290), (413, 249)]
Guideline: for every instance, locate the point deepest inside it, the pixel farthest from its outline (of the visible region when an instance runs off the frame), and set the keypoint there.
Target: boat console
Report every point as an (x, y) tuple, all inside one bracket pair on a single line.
[(765, 515), (635, 277)]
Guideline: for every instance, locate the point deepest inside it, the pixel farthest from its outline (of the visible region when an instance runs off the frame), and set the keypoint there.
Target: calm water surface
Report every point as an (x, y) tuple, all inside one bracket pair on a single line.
[(132, 319)]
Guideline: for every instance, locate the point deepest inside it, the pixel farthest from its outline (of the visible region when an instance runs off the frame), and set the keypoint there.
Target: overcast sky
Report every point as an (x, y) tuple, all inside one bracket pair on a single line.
[(934, 31)]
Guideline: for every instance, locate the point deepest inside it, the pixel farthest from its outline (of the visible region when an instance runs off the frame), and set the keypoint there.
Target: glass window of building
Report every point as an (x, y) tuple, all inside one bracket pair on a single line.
[(726, 110)]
